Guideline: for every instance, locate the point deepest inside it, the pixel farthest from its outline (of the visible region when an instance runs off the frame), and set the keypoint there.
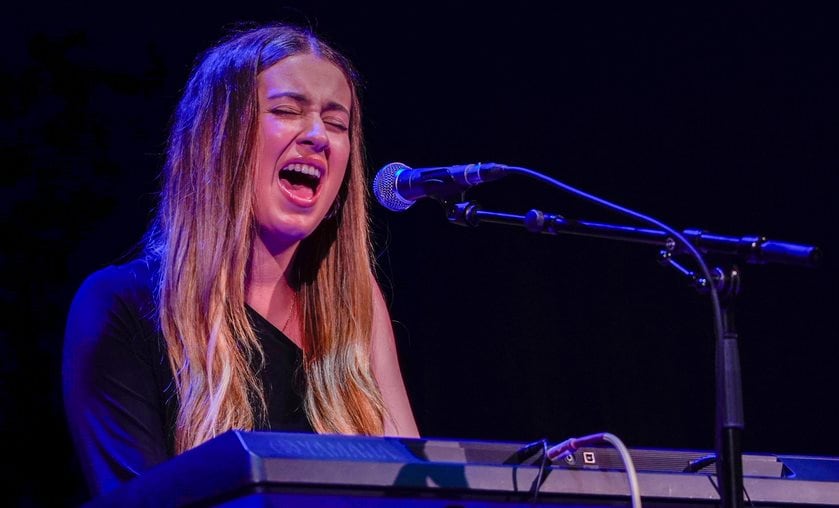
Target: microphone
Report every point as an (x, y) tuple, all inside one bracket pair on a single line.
[(397, 187)]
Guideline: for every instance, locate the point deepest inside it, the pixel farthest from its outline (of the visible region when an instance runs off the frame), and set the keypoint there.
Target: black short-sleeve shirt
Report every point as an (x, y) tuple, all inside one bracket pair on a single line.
[(118, 387)]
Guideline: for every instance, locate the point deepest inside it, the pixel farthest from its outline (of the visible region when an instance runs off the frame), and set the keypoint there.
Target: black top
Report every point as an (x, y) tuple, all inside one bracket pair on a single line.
[(118, 387)]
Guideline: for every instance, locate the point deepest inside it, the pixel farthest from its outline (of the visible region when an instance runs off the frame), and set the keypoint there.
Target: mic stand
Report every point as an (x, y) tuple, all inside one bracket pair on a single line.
[(729, 400), (729, 392)]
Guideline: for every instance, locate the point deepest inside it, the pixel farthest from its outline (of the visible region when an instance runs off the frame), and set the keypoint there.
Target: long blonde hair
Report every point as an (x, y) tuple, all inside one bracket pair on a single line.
[(202, 236)]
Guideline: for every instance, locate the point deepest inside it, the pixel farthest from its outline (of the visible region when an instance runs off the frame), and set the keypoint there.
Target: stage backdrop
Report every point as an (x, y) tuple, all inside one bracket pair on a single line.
[(708, 117)]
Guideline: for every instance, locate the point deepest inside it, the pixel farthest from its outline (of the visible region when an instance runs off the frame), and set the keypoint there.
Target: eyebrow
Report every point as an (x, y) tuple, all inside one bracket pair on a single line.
[(330, 106)]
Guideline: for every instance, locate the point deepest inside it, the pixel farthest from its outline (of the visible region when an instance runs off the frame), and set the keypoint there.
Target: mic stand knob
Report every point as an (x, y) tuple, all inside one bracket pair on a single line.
[(727, 284)]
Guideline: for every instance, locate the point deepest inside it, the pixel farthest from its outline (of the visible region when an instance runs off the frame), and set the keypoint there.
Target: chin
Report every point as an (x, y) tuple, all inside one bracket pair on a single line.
[(279, 237)]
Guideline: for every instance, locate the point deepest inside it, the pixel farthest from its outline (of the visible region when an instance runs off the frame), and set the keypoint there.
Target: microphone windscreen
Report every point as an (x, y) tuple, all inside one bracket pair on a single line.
[(384, 187)]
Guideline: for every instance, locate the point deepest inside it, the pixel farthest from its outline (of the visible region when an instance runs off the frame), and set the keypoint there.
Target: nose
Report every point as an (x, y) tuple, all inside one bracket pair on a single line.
[(314, 134)]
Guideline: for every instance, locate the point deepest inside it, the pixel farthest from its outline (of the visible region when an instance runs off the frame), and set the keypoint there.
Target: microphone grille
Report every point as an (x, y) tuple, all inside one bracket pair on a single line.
[(384, 187)]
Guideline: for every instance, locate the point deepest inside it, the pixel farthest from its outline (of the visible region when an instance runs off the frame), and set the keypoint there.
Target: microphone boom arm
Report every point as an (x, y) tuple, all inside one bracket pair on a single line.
[(754, 249)]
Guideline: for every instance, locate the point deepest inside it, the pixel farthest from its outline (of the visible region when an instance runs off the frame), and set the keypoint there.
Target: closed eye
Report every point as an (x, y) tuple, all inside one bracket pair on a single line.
[(336, 123), (285, 111)]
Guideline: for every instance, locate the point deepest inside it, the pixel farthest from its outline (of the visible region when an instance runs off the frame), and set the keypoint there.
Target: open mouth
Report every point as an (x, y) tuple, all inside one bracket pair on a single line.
[(300, 180)]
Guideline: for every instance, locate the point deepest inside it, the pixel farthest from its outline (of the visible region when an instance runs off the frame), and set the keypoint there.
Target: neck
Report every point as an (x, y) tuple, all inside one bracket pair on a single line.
[(267, 288), (268, 267)]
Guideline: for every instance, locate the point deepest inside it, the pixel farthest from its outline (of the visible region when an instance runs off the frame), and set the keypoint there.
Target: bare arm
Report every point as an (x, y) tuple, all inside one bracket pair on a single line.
[(400, 418)]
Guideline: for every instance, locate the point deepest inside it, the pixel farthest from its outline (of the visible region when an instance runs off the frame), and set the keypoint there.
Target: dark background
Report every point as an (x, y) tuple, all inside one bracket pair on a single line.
[(722, 118)]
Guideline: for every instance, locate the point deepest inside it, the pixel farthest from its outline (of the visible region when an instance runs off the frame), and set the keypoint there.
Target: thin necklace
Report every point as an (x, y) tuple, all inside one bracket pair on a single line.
[(290, 313)]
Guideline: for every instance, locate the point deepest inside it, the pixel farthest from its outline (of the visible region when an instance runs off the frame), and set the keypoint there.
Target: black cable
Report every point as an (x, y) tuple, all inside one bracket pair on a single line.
[(542, 474), (718, 323), (525, 452), (697, 464), (719, 329)]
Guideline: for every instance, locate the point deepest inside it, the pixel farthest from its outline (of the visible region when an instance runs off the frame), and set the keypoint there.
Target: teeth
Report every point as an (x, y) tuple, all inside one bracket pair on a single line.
[(304, 168)]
